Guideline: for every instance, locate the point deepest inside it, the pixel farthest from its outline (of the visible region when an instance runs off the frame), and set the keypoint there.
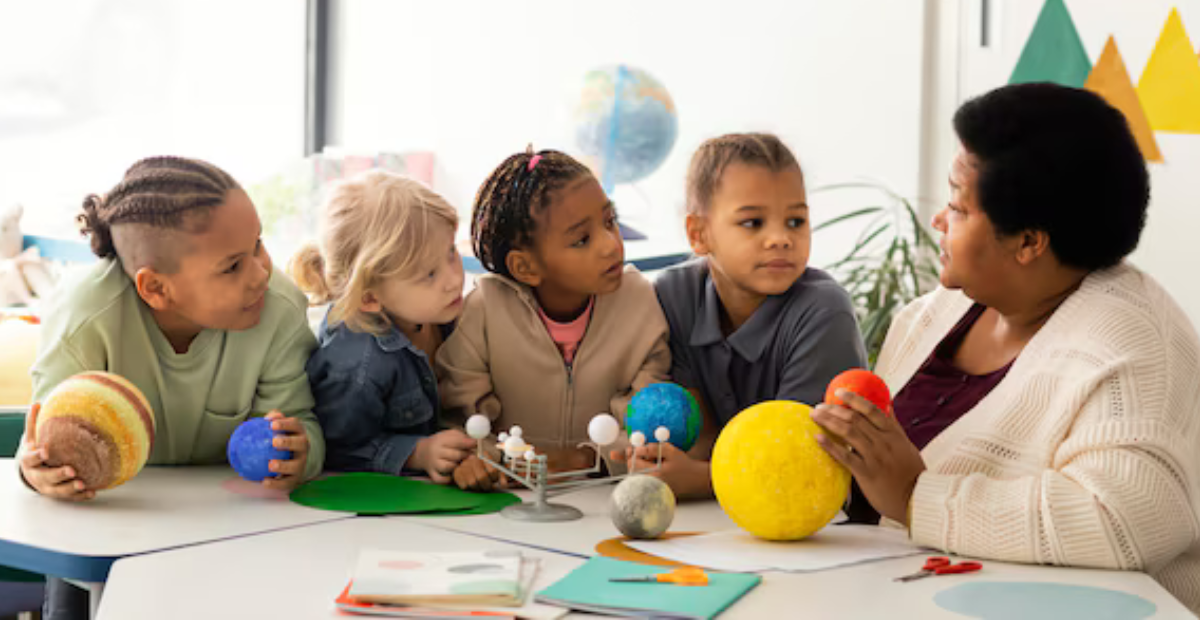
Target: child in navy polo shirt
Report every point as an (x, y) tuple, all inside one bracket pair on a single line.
[(749, 320)]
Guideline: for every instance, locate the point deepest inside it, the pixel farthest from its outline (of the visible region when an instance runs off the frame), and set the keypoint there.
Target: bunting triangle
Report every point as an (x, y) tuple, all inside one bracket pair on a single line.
[(1110, 80), (1170, 85), (1053, 52)]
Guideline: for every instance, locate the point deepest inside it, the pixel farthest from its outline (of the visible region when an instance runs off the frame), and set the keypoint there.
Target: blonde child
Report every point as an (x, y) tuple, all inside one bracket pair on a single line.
[(185, 304), (750, 321), (561, 329), (388, 264)]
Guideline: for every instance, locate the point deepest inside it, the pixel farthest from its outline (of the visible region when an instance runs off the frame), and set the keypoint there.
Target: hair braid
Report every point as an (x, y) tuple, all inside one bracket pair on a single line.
[(510, 198), (158, 191)]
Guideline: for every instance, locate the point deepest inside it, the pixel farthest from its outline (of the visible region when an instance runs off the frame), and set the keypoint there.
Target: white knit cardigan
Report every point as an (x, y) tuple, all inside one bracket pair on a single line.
[(1087, 453)]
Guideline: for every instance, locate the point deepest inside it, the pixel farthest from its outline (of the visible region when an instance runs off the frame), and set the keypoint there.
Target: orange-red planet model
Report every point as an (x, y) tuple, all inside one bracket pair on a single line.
[(864, 383)]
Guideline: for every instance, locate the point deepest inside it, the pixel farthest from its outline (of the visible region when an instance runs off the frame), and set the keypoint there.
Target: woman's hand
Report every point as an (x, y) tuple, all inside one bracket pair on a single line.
[(874, 447)]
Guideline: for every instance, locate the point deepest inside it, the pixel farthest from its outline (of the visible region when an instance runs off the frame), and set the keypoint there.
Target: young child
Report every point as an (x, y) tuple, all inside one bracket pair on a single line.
[(750, 321), (183, 303), (388, 264), (561, 329)]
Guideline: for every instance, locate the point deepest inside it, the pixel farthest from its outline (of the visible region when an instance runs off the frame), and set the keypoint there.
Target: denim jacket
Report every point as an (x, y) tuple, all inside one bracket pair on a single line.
[(376, 397)]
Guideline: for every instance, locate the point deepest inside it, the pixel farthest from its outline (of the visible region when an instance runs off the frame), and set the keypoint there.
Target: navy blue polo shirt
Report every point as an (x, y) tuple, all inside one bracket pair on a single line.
[(789, 349)]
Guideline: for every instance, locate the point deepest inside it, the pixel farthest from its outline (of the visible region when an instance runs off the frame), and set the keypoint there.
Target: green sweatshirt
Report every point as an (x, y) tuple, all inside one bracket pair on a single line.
[(98, 322)]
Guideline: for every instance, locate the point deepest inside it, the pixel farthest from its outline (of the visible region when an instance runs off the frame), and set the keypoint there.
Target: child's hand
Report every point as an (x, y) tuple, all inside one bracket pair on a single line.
[(559, 460), (475, 475), (439, 454), (688, 478), (289, 473), (56, 482)]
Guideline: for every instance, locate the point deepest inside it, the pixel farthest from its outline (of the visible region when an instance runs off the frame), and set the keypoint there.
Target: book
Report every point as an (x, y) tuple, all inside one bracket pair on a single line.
[(447, 608), (489, 578), (588, 588)]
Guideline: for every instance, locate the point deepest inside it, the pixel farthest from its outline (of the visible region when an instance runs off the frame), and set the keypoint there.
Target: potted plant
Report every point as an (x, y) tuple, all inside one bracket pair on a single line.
[(893, 261)]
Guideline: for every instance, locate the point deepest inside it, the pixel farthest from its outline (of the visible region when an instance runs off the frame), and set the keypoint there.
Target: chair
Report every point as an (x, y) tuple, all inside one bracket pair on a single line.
[(20, 591)]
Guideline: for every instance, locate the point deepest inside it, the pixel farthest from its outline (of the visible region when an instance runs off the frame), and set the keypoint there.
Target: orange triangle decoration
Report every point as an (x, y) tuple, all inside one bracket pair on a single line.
[(1170, 85), (1110, 80)]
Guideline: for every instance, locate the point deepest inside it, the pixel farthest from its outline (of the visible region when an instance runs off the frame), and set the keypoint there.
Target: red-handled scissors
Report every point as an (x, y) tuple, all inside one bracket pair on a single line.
[(939, 565)]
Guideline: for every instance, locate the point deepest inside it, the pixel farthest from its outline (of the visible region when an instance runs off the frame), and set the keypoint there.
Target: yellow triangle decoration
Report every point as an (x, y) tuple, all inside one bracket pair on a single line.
[(1110, 80), (1170, 85)]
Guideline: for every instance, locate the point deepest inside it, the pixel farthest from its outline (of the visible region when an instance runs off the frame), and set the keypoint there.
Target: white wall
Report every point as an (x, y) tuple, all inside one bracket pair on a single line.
[(1168, 250), (476, 81), (87, 87)]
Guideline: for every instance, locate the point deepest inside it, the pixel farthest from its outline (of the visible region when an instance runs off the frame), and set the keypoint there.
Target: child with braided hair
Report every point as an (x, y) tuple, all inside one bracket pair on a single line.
[(185, 304), (561, 329)]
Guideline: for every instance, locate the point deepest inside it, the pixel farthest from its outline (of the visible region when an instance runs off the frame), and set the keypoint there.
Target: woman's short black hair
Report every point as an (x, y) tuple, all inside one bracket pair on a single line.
[(1059, 160)]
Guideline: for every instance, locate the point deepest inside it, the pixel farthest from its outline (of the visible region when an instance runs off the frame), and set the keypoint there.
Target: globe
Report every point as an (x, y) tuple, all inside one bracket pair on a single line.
[(667, 405), (625, 119)]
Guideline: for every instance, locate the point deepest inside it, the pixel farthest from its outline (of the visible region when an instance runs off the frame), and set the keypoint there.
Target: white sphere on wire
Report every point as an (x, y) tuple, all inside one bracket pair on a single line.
[(637, 439), (662, 434), (478, 426), (603, 429), (514, 444), (515, 431), (502, 437)]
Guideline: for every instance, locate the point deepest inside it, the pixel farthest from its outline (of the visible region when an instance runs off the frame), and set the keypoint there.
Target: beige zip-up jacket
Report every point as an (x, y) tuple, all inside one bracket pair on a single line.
[(501, 361)]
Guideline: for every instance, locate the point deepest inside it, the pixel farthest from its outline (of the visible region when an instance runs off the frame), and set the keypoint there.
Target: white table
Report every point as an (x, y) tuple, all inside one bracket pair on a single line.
[(293, 574), (162, 508), (863, 591), (868, 590), (574, 537)]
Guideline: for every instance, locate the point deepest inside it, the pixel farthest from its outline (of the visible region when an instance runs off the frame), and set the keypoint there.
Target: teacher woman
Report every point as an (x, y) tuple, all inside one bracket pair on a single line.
[(1047, 402)]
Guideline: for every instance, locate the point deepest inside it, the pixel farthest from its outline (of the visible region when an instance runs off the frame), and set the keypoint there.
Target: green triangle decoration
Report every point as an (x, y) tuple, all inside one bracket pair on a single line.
[(1053, 52)]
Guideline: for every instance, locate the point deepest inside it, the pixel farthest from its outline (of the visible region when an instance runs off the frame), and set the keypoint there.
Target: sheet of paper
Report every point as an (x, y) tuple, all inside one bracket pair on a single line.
[(738, 551)]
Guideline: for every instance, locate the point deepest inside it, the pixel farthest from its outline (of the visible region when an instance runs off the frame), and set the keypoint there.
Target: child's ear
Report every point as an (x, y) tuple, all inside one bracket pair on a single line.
[(154, 288), (697, 233), (524, 267), (370, 303)]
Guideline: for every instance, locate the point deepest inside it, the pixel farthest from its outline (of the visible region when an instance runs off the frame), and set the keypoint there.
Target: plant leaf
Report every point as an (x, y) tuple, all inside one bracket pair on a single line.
[(847, 216)]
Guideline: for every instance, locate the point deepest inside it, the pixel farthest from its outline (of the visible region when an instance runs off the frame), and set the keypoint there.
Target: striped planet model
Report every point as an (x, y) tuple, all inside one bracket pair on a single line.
[(99, 424)]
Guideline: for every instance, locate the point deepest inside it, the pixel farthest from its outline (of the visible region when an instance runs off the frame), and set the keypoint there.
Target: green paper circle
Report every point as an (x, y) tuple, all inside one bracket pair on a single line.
[(381, 494), (492, 502)]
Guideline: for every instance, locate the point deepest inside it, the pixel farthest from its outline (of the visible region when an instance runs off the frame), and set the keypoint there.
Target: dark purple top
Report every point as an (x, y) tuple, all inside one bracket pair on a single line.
[(936, 396), (940, 393)]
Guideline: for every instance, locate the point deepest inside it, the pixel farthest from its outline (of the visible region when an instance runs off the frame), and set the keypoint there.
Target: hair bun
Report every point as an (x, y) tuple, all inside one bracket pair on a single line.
[(92, 225)]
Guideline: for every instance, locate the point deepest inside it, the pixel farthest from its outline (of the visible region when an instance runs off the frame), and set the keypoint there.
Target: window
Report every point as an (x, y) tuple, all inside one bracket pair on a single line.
[(87, 87)]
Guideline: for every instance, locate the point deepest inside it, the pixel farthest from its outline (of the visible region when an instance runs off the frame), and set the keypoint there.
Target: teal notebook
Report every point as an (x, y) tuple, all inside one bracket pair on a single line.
[(588, 588)]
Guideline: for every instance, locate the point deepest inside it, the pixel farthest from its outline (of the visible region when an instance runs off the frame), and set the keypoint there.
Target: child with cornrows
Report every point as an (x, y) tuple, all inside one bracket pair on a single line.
[(561, 329), (186, 305)]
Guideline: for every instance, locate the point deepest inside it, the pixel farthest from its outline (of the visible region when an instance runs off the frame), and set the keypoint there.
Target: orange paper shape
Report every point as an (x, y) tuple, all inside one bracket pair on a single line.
[(1170, 85), (1110, 80), (617, 549)]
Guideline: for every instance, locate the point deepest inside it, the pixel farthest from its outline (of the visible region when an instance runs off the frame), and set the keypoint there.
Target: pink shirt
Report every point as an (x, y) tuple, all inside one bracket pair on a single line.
[(568, 335)]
